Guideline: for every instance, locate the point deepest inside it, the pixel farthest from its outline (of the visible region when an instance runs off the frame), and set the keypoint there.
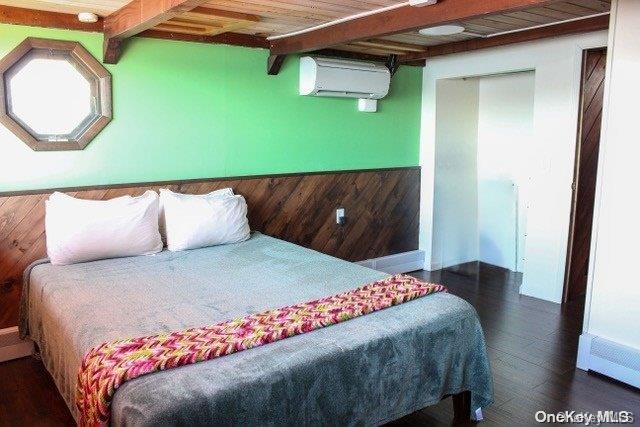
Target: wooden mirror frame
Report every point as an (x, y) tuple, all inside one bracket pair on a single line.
[(85, 62)]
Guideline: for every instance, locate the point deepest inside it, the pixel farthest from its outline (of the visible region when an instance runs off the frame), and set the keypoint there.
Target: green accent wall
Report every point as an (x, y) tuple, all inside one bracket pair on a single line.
[(188, 110)]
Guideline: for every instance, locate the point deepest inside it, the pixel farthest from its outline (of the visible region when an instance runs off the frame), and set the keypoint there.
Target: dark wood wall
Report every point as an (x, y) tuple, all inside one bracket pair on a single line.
[(382, 213)]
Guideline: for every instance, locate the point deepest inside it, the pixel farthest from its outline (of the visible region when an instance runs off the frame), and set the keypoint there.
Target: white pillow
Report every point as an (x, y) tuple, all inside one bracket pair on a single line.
[(195, 221), (84, 230), (223, 192)]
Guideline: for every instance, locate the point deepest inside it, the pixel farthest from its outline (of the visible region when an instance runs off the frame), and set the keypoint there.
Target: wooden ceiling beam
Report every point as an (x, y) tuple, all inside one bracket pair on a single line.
[(208, 21), (66, 21), (274, 64), (575, 27), (138, 16), (40, 18), (30, 17), (111, 50), (390, 45), (359, 56), (141, 15), (402, 19)]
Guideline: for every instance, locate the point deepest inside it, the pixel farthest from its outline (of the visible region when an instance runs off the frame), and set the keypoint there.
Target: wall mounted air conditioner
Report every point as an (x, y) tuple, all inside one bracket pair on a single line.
[(343, 78)]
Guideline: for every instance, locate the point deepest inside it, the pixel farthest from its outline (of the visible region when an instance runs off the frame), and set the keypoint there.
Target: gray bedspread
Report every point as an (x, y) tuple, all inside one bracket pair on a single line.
[(365, 371)]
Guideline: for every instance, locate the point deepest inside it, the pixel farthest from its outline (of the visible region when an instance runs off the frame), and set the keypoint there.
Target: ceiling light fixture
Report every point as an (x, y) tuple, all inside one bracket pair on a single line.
[(442, 30), (87, 17)]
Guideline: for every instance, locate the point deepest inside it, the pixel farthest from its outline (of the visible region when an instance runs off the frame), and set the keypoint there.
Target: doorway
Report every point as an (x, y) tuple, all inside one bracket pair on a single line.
[(585, 172), (483, 135)]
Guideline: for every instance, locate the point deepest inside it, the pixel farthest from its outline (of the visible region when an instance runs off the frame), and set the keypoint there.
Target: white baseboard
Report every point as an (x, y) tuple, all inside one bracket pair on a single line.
[(439, 265), (399, 263), (433, 266), (12, 347), (609, 358)]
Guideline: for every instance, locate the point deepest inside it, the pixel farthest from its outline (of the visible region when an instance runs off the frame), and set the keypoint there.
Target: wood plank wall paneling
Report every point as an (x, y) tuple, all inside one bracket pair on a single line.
[(586, 171), (382, 213)]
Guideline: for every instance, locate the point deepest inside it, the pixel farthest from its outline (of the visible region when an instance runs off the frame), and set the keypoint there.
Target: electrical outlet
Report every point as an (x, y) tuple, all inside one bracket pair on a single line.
[(340, 216)]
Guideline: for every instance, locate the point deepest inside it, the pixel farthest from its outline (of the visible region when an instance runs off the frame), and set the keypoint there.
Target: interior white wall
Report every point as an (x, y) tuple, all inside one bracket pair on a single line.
[(613, 294), (505, 127), (455, 237), (557, 65)]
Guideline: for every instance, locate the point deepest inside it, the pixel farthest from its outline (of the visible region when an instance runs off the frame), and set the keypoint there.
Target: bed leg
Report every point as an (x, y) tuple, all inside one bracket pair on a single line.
[(462, 408)]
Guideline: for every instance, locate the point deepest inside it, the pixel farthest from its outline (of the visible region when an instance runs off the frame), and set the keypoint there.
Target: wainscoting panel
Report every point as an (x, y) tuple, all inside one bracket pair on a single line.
[(382, 213)]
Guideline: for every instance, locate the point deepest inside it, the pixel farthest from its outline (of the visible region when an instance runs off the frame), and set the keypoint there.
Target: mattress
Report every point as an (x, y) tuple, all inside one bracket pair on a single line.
[(366, 371)]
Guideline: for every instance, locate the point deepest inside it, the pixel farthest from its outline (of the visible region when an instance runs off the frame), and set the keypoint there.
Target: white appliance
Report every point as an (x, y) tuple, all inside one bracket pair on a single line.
[(343, 78)]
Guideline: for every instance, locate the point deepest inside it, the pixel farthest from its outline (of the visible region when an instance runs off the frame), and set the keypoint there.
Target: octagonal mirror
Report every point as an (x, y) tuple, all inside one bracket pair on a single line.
[(55, 95)]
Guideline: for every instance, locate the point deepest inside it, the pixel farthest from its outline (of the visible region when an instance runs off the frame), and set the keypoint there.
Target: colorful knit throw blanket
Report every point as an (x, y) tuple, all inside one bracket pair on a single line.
[(107, 366)]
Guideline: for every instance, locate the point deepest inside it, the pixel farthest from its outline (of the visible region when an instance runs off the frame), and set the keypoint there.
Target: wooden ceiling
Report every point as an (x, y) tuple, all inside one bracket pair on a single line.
[(267, 18), (498, 23)]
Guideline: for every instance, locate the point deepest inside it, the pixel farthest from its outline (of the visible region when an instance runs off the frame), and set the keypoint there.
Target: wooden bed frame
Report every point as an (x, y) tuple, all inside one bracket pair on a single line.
[(462, 408)]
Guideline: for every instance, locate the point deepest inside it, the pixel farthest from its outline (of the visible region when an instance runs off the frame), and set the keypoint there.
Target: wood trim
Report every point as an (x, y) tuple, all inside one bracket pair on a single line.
[(203, 180), (234, 39), (582, 26), (84, 63), (274, 64), (388, 44), (228, 14), (348, 55), (382, 216), (345, 54), (406, 18)]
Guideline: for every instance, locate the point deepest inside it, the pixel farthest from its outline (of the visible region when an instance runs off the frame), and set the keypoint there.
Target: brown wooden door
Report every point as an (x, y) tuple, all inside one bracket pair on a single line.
[(586, 168)]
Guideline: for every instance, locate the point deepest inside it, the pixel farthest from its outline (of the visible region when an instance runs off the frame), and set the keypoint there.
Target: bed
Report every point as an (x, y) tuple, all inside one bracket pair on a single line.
[(365, 371)]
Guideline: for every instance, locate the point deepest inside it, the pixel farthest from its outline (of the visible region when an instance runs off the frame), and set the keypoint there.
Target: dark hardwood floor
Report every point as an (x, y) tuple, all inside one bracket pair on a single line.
[(532, 345)]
